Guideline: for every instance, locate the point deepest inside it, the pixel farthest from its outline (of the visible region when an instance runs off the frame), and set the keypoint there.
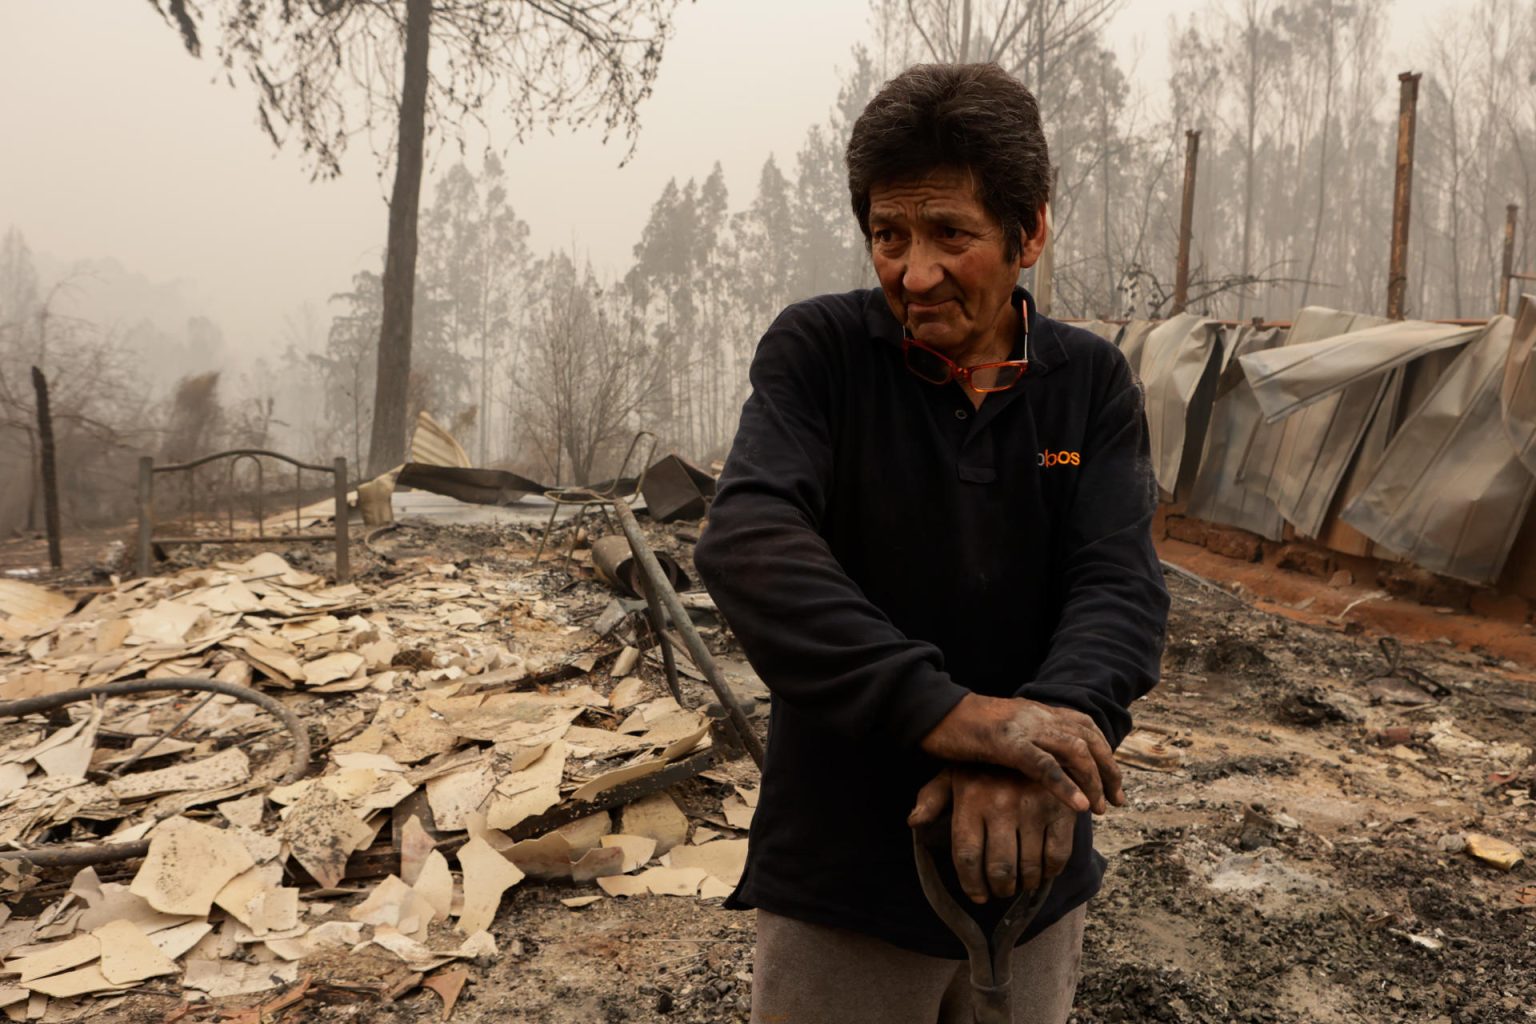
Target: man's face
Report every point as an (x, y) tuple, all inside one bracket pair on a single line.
[(940, 258)]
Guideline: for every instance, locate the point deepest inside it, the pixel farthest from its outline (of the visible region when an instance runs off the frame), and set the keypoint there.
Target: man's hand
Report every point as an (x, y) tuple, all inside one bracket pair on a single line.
[(1004, 829), (1059, 748)]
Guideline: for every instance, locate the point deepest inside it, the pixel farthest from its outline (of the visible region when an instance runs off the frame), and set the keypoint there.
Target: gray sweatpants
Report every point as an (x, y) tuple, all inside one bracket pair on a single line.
[(811, 974)]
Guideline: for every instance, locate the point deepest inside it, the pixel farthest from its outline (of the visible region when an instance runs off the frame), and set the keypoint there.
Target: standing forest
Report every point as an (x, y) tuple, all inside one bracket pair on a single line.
[(538, 362)]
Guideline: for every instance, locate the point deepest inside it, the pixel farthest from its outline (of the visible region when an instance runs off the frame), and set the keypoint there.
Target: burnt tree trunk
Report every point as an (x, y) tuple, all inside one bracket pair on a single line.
[(50, 470), (386, 446)]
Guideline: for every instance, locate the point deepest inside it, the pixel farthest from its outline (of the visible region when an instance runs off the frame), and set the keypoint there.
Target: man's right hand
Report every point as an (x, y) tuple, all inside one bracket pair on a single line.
[(1060, 748)]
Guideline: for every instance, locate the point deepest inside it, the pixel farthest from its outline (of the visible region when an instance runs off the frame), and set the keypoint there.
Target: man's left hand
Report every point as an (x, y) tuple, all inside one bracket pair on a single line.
[(1004, 830)]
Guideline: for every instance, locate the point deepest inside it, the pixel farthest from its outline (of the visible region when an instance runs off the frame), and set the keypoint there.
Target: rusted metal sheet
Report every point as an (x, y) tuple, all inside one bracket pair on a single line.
[(477, 486), (675, 489)]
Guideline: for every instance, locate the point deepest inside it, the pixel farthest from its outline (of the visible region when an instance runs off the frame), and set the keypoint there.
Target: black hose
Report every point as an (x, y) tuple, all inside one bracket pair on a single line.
[(105, 852)]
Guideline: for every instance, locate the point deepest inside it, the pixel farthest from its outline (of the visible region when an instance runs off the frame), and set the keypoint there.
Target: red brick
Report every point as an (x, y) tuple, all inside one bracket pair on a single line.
[(1190, 531), (1234, 543), (1307, 559)]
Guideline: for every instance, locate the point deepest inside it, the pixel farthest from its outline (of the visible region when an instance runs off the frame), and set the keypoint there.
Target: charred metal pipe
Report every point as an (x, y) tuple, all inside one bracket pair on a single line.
[(691, 639), (106, 852)]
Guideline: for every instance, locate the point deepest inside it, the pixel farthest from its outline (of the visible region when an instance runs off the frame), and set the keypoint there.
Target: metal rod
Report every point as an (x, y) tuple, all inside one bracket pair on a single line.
[(1402, 196), (1186, 220), (343, 536), (651, 570), (102, 853), (658, 630), (167, 734), (1511, 217), (146, 510)]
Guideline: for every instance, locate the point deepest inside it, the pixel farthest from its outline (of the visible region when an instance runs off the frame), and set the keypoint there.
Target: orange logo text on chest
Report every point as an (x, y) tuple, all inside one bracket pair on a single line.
[(1049, 458)]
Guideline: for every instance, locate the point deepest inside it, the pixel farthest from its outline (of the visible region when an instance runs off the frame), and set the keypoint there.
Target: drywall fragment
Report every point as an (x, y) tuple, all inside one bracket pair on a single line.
[(435, 885), (177, 942), (74, 983), (112, 901), (531, 791), (127, 955), (167, 622), (548, 856), (585, 833), (330, 935), (599, 863), (577, 902), (673, 881), (737, 812), (714, 889), (637, 849), (62, 956), (617, 777), (26, 608), (624, 664), (487, 875), (229, 767), (628, 693), (658, 817), (624, 885), (244, 813), (322, 832), (453, 797), (397, 905), (188, 863), (220, 978), (724, 858), (67, 753), (332, 668), (257, 900), (415, 844)]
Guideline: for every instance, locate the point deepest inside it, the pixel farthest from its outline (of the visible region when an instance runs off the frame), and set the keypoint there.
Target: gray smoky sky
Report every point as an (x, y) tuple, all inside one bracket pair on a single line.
[(119, 145)]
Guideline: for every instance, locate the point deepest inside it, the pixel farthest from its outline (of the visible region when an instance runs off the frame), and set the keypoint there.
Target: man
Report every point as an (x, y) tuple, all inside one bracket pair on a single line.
[(932, 540)]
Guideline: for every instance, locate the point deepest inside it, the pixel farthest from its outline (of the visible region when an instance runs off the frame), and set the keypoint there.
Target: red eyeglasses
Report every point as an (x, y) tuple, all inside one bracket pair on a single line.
[(937, 368)]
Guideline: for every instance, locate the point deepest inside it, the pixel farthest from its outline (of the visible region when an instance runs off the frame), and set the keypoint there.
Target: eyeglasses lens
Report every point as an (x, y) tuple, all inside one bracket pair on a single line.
[(929, 366), (996, 378)]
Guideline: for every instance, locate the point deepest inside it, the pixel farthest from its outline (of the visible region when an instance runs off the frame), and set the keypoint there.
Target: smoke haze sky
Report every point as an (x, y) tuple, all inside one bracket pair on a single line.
[(119, 145)]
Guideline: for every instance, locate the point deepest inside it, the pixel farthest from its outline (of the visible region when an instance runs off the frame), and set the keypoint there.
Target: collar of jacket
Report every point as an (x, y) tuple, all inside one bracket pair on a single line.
[(1046, 352)]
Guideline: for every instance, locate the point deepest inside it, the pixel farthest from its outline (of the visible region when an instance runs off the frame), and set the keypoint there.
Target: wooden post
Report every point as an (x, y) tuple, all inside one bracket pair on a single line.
[(50, 469), (343, 552), (1402, 197), (1511, 216), (1186, 221), (1045, 267), (146, 510)]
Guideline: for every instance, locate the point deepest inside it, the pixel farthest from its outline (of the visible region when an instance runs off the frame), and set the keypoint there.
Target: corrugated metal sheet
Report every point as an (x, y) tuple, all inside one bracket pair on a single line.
[(1451, 491), (1218, 495), (432, 445), (1298, 462), (1517, 395), (1287, 380), (1180, 361), (1133, 339)]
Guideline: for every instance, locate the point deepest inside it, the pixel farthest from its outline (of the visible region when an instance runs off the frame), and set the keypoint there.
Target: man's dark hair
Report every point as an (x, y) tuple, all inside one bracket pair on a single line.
[(974, 117)]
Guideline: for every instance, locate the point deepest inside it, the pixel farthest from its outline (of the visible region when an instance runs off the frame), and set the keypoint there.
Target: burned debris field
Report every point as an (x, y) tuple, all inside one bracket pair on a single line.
[(1315, 831)]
